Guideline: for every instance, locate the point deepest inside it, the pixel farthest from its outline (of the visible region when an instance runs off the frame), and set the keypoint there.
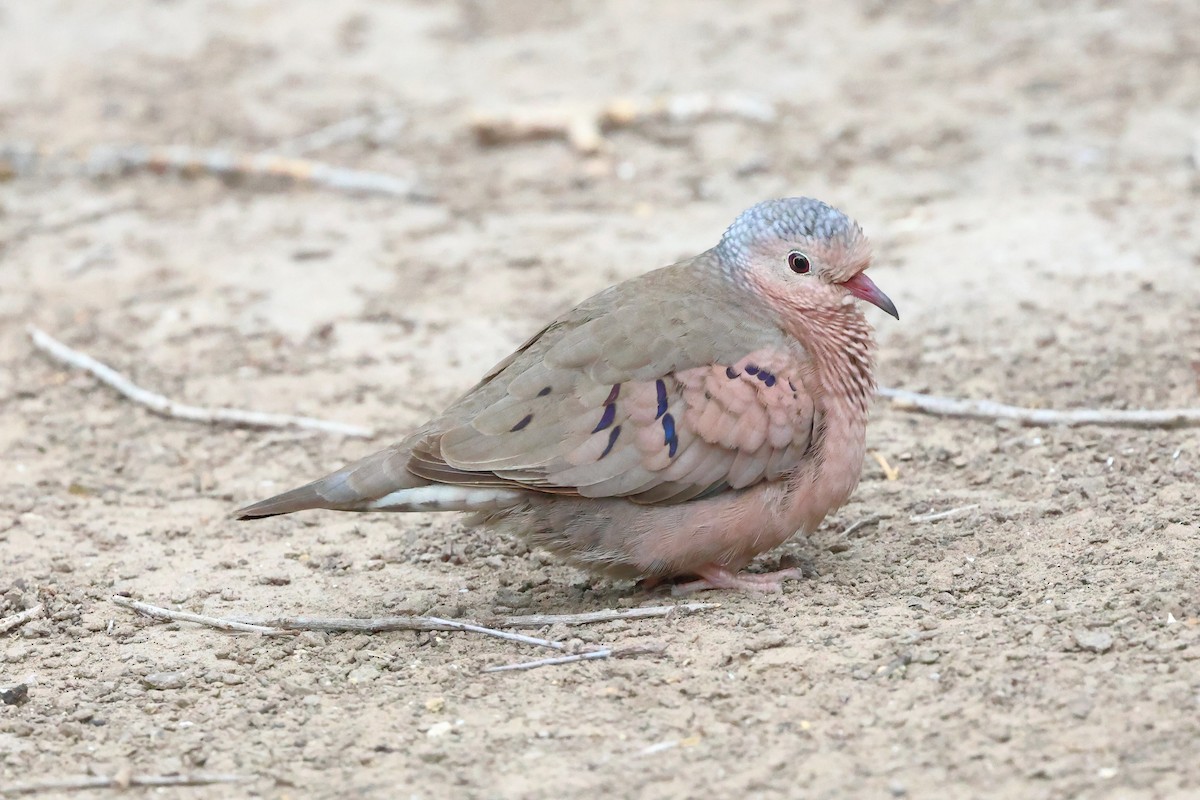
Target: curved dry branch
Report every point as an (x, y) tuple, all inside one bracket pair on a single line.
[(904, 400), (166, 407)]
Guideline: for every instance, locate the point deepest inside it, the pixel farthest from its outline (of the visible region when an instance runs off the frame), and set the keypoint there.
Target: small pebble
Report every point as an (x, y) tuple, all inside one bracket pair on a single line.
[(14, 694), (164, 680), (363, 674), (1093, 641), (439, 729)]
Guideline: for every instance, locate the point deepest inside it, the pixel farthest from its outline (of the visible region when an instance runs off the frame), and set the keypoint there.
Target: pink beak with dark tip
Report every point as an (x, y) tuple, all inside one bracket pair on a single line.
[(864, 288)]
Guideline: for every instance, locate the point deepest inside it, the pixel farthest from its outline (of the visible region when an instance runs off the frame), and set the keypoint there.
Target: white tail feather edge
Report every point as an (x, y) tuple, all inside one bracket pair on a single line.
[(440, 497)]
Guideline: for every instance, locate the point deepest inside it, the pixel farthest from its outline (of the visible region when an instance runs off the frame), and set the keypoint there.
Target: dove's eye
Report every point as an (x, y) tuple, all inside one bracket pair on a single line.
[(798, 262)]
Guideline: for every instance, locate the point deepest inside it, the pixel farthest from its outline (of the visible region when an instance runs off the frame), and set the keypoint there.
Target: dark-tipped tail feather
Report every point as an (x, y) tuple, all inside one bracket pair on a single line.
[(351, 488), (300, 499)]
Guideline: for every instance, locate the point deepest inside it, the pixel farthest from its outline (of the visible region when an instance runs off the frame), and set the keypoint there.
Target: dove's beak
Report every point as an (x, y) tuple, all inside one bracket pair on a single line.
[(864, 288)]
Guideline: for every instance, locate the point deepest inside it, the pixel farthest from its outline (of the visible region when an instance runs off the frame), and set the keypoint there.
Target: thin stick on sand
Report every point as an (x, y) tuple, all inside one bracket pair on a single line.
[(119, 782), (288, 627), (109, 162), (282, 625), (451, 625), (904, 400), (947, 514), (655, 648), (291, 625), (168, 615), (165, 407), (590, 655), (862, 523), (607, 615), (387, 624), (583, 125), (285, 625)]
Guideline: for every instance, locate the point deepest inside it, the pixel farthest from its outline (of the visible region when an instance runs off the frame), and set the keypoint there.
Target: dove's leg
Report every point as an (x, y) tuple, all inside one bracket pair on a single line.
[(715, 576)]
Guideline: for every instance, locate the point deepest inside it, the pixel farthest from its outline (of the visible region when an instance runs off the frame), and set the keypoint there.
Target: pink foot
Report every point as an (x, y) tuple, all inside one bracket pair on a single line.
[(714, 576)]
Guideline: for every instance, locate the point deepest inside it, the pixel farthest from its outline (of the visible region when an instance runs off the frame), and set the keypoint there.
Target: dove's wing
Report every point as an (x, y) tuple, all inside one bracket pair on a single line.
[(659, 389), (644, 392)]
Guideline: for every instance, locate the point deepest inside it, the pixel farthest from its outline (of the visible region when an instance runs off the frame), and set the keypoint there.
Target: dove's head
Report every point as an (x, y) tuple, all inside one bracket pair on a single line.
[(801, 254)]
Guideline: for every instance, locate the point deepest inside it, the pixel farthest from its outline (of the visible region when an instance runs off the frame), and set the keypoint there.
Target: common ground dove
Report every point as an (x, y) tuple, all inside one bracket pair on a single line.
[(677, 424)]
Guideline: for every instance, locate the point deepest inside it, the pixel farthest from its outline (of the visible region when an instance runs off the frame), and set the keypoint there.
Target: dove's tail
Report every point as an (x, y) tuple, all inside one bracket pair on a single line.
[(381, 482)]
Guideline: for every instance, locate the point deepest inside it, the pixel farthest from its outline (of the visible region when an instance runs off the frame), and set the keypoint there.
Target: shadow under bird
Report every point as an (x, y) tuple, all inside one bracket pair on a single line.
[(672, 426)]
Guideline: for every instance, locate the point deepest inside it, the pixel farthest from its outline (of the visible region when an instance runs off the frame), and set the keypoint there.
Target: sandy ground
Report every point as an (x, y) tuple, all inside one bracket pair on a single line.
[(1028, 173)]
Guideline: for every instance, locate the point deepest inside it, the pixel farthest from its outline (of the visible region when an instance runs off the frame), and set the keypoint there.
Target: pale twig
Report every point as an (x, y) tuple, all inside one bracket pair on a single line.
[(853, 526), (280, 625), (583, 125), (120, 782), (670, 744), (951, 512), (187, 161), (842, 544), (889, 472), (469, 627), (591, 655), (164, 406), (904, 400), (107, 162), (387, 624), (20, 618), (169, 615), (349, 624), (607, 615), (293, 625)]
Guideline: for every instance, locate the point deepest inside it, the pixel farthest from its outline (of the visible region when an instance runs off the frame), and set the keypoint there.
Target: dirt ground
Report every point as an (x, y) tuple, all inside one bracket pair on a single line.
[(1028, 173)]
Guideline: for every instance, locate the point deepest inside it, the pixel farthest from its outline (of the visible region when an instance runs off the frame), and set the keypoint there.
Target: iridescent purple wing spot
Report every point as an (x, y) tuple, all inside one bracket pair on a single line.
[(612, 439), (610, 411), (669, 437)]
